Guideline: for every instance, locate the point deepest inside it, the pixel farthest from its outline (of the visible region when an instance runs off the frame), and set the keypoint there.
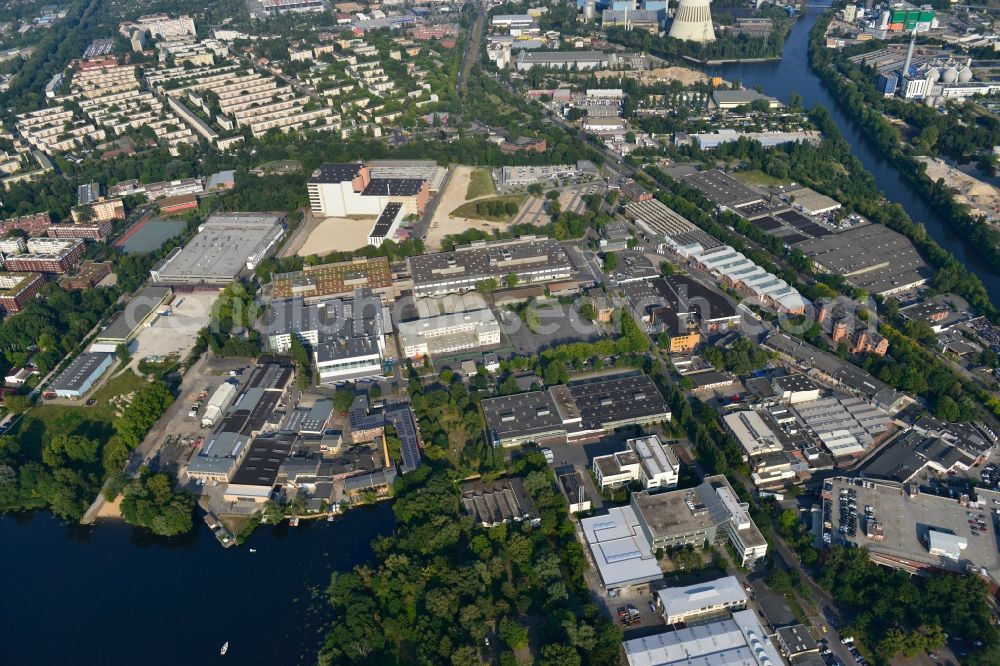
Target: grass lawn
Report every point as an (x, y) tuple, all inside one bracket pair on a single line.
[(47, 420), (469, 209), (758, 178), (480, 184)]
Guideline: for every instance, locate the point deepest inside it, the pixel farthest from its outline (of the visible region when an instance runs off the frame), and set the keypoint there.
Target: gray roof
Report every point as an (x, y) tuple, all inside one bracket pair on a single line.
[(81, 371), (124, 324), (329, 172), (502, 501), (480, 261)]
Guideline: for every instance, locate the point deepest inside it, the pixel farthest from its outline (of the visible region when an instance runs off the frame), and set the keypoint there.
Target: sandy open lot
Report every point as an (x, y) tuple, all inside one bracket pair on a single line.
[(971, 191), (685, 75), (443, 223), (176, 333), (339, 234)]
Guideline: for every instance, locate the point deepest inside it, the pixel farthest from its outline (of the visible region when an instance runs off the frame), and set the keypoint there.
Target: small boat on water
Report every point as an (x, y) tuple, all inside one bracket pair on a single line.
[(225, 649), (253, 550), (294, 521)]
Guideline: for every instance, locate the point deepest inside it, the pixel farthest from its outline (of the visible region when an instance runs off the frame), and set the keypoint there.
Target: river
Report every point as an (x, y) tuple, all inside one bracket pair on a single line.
[(793, 74), (109, 594)]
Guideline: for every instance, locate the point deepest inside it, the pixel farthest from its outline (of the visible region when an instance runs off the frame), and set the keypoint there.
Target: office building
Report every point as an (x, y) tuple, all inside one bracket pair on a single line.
[(341, 190), (569, 60), (368, 422), (446, 326), (346, 337), (645, 459), (711, 513)]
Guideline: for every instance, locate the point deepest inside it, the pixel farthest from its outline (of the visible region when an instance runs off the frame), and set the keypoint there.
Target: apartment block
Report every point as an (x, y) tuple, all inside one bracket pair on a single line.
[(16, 289), (47, 255)]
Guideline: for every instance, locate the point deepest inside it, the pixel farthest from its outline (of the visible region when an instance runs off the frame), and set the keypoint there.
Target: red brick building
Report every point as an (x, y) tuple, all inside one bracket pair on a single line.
[(87, 275), (47, 255), (33, 225), (16, 289)]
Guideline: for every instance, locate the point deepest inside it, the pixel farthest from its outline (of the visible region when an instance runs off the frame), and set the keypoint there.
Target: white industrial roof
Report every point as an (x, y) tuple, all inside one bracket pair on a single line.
[(949, 545), (740, 641), (683, 600), (621, 551), (755, 436)]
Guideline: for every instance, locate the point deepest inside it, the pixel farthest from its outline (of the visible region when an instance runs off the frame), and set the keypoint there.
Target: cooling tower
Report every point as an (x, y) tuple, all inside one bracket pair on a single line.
[(693, 22)]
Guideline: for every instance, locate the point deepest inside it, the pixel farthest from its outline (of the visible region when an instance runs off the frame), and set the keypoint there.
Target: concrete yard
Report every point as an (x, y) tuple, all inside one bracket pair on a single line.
[(176, 333), (906, 522), (337, 234), (557, 324)]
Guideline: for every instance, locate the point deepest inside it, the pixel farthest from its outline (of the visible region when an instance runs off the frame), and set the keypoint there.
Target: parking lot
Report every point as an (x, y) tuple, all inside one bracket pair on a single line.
[(905, 523)]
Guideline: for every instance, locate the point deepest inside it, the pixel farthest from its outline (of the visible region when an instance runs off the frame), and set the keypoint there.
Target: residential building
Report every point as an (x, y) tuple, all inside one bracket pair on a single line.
[(17, 289), (46, 255)]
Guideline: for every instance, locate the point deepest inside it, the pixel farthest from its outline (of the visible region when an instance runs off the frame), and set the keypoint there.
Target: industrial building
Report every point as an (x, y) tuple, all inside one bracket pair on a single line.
[(693, 21), (17, 289), (342, 190), (741, 639), (80, 375), (368, 422), (346, 337), (578, 411), (226, 244), (731, 99), (335, 280), (871, 257), (499, 502), (702, 600), (711, 513), (579, 60), (621, 552), (645, 460), (531, 259), (125, 325), (448, 333)]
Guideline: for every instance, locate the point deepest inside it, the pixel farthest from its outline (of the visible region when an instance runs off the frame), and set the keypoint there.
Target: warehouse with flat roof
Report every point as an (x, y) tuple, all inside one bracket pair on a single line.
[(80, 375), (125, 325), (577, 411), (739, 640), (871, 257), (226, 244)]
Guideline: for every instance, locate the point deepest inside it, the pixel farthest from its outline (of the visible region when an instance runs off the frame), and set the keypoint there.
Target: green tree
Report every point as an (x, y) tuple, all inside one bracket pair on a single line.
[(610, 262)]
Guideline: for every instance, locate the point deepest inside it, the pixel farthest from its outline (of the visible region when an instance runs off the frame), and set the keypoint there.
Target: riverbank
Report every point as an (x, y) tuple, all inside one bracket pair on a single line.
[(862, 104), (793, 76), (734, 61)]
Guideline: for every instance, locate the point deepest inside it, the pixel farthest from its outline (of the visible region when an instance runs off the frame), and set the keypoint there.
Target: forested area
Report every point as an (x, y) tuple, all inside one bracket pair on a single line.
[(895, 613), (950, 134), (151, 502), (441, 585)]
